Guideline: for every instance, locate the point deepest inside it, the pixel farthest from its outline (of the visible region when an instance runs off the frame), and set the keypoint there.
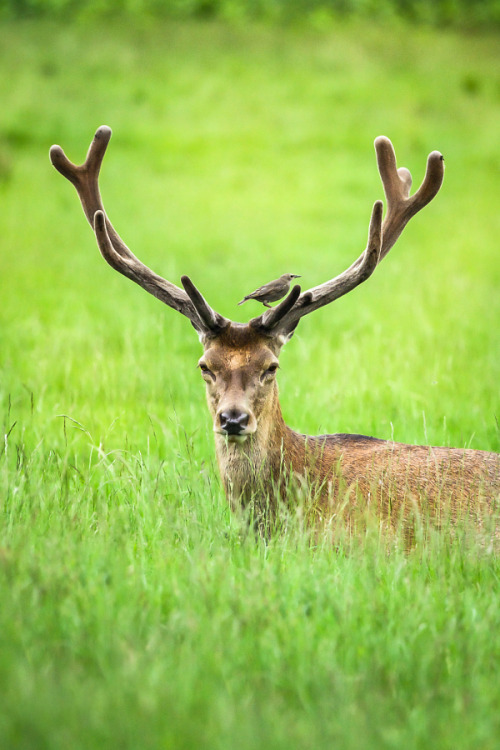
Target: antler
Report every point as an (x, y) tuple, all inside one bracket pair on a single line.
[(283, 319), (85, 178)]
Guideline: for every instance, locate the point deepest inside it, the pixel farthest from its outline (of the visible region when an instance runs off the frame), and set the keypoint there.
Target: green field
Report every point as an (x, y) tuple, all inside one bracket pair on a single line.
[(136, 611)]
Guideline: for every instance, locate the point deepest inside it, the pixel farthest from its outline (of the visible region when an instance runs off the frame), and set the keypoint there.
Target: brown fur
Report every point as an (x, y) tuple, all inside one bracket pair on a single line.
[(339, 472)]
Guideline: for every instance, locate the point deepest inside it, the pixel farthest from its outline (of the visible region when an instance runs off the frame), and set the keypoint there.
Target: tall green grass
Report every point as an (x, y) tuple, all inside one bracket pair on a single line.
[(136, 611)]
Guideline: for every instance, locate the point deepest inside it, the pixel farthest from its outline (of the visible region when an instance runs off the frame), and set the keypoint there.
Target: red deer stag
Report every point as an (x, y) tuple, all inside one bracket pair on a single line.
[(260, 458)]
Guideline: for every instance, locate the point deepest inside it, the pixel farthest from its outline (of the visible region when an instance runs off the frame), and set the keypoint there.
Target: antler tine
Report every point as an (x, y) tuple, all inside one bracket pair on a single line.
[(212, 320), (85, 178), (381, 237), (397, 184), (270, 319)]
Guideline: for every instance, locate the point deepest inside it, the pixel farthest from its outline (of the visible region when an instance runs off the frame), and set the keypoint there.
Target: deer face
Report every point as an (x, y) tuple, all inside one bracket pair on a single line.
[(239, 368)]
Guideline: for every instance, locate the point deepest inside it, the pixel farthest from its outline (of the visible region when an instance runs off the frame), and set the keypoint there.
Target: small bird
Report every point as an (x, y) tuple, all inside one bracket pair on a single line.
[(273, 291)]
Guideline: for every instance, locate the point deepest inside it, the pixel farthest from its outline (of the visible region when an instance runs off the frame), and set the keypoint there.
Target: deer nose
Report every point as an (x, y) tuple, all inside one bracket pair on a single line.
[(233, 422)]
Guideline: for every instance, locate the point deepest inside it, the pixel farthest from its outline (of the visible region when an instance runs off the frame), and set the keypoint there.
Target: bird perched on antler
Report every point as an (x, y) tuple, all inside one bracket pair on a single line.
[(273, 291)]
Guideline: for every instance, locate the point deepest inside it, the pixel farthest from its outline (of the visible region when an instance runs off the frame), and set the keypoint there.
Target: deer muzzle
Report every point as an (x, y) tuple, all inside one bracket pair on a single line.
[(236, 423)]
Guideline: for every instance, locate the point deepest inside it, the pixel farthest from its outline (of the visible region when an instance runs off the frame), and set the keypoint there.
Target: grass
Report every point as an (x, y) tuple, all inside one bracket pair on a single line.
[(136, 611)]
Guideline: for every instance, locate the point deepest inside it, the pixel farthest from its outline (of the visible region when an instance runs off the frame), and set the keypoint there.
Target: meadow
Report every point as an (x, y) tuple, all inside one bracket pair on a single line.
[(136, 611)]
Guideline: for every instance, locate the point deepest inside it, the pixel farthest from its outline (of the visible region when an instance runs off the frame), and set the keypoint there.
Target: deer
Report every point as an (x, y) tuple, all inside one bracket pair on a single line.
[(262, 461)]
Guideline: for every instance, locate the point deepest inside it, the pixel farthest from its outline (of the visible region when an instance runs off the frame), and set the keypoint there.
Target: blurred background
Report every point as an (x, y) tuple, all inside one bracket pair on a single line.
[(243, 149), (136, 611)]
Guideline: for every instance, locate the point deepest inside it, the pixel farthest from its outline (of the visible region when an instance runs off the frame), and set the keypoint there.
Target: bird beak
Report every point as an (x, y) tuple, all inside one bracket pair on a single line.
[(296, 276)]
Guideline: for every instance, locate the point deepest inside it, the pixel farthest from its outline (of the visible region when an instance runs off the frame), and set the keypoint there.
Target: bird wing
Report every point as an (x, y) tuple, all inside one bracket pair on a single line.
[(261, 290)]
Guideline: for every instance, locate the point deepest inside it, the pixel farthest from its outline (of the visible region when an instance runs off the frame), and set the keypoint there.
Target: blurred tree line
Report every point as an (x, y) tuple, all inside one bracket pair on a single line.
[(458, 13)]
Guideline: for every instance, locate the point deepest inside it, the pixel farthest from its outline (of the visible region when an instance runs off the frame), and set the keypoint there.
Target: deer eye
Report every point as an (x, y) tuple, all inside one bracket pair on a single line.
[(206, 371), (270, 371)]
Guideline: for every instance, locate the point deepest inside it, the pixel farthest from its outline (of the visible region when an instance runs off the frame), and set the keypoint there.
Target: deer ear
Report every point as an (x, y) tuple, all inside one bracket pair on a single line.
[(284, 338), (203, 337), (279, 340)]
